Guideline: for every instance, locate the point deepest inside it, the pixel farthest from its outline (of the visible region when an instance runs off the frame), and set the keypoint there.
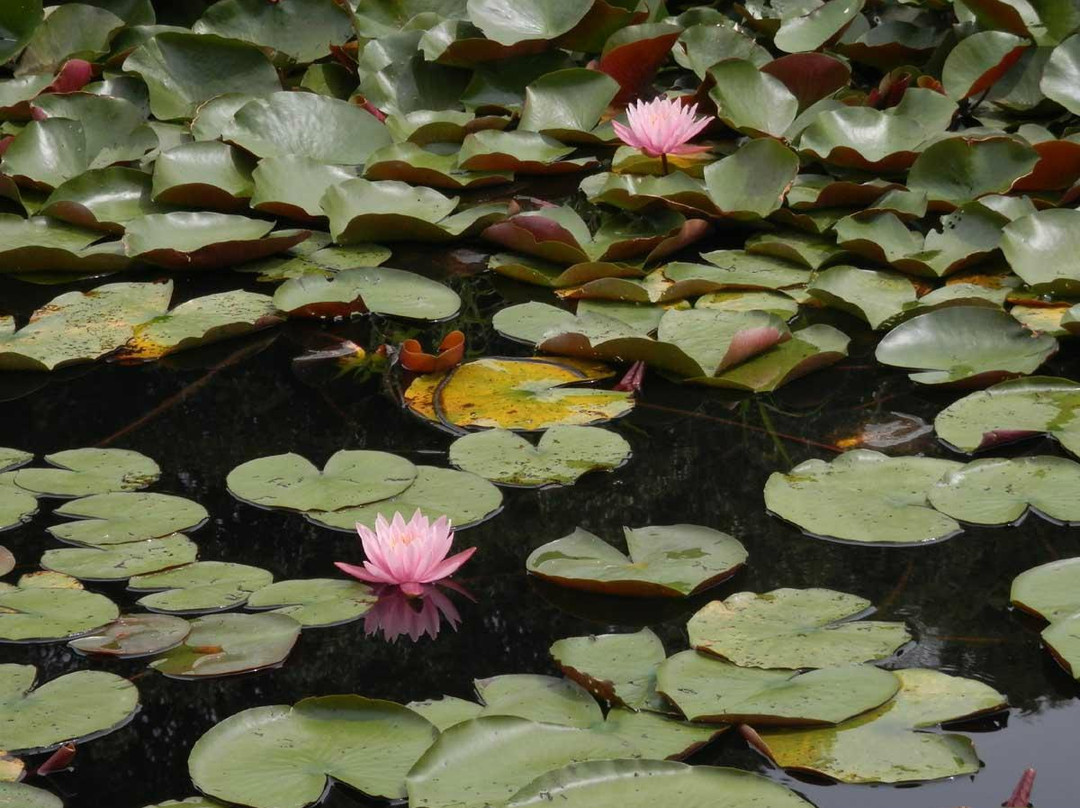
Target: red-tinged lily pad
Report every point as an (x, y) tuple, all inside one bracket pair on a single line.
[(519, 152), (133, 636), (809, 349), (663, 561), (558, 276), (414, 164), (979, 61), (809, 76), (293, 186), (451, 353), (864, 138), (45, 245), (957, 170), (205, 240), (104, 199), (678, 191), (204, 174), (632, 55)]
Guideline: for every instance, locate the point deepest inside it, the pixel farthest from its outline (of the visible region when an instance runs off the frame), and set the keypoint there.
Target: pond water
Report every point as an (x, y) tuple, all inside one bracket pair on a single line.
[(699, 457)]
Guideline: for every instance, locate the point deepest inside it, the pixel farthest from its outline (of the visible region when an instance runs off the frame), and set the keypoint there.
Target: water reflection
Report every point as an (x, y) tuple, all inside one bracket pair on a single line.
[(397, 614)]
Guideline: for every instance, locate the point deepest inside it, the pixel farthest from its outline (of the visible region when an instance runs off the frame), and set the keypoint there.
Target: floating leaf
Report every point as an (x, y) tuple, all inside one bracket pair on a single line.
[(886, 746), (303, 30), (979, 61), (957, 170), (794, 628), (667, 561), (447, 711), (381, 290), (1044, 250), (75, 31), (133, 636), (121, 517), (1059, 78), (640, 783), (737, 269), (281, 756), (17, 25), (465, 499), (350, 478), (519, 152), (184, 70), (871, 295), (43, 609), (120, 562), (810, 31), (76, 707), (706, 689), (568, 104), (863, 496), (563, 454), (316, 602), (750, 100), (509, 24), (1049, 590), (619, 668), (205, 586), (227, 644), (863, 138), (412, 163), (999, 491), (809, 349), (1011, 411), (81, 472), (7, 561), (972, 345), (752, 182), (16, 506), (104, 199), (20, 795), (519, 394), (539, 698), (293, 186), (204, 174)]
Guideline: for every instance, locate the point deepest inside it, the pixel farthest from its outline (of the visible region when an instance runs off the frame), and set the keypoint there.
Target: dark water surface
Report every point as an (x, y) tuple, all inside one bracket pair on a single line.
[(699, 457)]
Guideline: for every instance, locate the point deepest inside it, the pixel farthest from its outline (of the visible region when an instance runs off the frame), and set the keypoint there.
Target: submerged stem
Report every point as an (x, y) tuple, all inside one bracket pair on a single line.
[(663, 163)]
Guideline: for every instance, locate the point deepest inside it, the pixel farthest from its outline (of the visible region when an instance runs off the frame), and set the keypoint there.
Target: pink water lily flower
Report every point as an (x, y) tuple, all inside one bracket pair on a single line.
[(661, 127), (407, 554)]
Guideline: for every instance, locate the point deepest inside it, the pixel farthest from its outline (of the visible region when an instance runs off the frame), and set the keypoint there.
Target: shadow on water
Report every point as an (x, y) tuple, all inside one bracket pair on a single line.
[(699, 457)]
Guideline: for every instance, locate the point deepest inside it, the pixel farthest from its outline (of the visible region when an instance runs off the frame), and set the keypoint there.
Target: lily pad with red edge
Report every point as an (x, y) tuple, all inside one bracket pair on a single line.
[(568, 105), (810, 77), (678, 191), (103, 199), (451, 353), (545, 273), (750, 100), (411, 163), (874, 296), (889, 744), (1013, 410), (519, 152), (633, 54), (864, 497), (811, 348), (204, 174), (618, 668), (979, 61), (663, 561), (46, 245), (1043, 248), (380, 290), (133, 636), (75, 31), (229, 644), (1049, 591), (293, 186), (965, 346), (956, 170), (865, 139), (361, 210)]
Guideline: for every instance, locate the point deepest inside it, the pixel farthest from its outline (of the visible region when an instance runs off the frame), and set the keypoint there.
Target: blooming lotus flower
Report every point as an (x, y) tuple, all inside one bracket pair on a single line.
[(396, 613), (407, 554), (661, 127)]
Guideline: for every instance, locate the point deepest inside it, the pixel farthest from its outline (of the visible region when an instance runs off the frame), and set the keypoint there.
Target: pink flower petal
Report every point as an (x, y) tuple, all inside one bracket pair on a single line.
[(448, 567)]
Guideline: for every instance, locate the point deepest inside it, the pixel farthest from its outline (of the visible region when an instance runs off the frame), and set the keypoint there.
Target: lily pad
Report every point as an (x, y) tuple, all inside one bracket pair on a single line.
[(568, 104), (874, 296), (752, 183), (1000, 491), (361, 210), (643, 783), (76, 707), (520, 394), (885, 745), (104, 199), (349, 479), (956, 170), (1044, 250), (666, 561), (863, 496), (736, 269), (81, 472), (1049, 591), (794, 628), (228, 644), (120, 562), (752, 101), (316, 602), (563, 454), (619, 668), (133, 636), (547, 699), (121, 517), (811, 348), (966, 345), (464, 498), (20, 795), (519, 152), (380, 290), (204, 174), (293, 186), (1014, 410), (281, 757), (205, 586), (44, 609), (303, 31), (79, 327), (412, 163), (16, 506), (707, 689)]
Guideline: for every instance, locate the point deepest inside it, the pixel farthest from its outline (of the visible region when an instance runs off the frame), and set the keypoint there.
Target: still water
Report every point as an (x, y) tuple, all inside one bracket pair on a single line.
[(699, 457)]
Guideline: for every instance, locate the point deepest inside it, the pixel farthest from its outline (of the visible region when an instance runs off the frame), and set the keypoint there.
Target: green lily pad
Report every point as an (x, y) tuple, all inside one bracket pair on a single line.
[(678, 191), (1058, 80), (361, 210), (76, 31), (563, 454), (1014, 410), (618, 668), (808, 32), (794, 628), (204, 240), (45, 245), (863, 496), (205, 586), (811, 348), (568, 104), (519, 152), (204, 174), (293, 186), (17, 25), (133, 636), (316, 602), (547, 699), (43, 609), (281, 757), (863, 138), (776, 303), (380, 290), (228, 644), (652, 735), (447, 711), (349, 479), (412, 163), (280, 126), (486, 760), (545, 273), (751, 101), (956, 170), (81, 472), (885, 745), (509, 23), (1049, 591), (1062, 638), (104, 199), (874, 296), (184, 70), (76, 707), (667, 561), (20, 795), (752, 182), (465, 499), (979, 61), (79, 327), (972, 345), (999, 491), (324, 262), (121, 517), (16, 506), (1044, 250), (303, 31), (120, 562), (736, 269), (706, 689), (642, 783)]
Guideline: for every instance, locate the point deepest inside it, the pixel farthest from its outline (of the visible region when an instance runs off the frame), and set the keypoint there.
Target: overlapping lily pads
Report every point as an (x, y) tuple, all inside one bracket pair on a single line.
[(1050, 591), (1000, 491), (44, 608), (619, 668), (82, 472), (204, 586), (666, 561), (121, 517), (316, 602), (122, 561), (228, 644), (135, 635), (380, 290)]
